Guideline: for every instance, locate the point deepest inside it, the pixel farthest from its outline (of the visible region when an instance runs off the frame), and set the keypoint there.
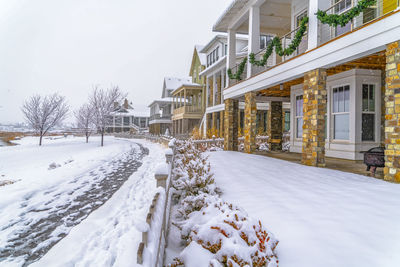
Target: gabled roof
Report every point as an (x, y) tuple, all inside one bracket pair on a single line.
[(172, 83), (220, 37), (202, 56)]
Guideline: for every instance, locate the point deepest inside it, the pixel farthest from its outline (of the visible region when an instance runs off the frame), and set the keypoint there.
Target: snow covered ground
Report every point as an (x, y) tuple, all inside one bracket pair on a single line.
[(321, 217), (59, 190)]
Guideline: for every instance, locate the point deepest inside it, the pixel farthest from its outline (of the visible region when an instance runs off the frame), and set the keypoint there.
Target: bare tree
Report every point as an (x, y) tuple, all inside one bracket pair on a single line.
[(102, 102), (44, 113), (84, 120)]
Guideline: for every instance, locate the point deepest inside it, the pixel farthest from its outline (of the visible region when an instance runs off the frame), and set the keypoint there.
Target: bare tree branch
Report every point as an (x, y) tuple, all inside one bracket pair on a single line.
[(85, 120), (44, 113)]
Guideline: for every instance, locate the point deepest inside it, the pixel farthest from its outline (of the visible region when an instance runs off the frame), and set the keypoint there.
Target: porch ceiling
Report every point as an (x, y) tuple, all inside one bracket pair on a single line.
[(275, 17), (376, 61)]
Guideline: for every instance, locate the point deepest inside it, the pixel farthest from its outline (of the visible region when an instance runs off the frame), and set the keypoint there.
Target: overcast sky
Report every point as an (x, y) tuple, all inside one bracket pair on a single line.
[(67, 46)]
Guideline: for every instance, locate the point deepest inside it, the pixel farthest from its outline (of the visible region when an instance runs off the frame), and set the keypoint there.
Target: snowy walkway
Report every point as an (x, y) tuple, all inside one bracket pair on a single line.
[(34, 216), (321, 217)]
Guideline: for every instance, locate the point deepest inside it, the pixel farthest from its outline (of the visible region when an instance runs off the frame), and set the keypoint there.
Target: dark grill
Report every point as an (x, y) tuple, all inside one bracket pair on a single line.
[(374, 158)]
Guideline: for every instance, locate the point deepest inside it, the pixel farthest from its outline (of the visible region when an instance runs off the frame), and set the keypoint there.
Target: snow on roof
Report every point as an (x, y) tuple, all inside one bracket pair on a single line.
[(173, 83), (202, 56), (223, 21), (162, 100)]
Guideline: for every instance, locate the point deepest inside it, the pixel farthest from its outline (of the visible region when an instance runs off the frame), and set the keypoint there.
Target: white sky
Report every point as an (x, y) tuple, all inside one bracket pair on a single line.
[(67, 46)]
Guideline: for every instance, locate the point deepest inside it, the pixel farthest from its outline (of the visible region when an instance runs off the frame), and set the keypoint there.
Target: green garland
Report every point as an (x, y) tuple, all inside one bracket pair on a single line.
[(238, 74), (342, 19), (276, 42)]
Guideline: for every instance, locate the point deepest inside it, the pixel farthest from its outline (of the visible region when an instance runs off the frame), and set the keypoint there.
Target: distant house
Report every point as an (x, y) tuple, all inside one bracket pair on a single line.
[(161, 109), (126, 119)]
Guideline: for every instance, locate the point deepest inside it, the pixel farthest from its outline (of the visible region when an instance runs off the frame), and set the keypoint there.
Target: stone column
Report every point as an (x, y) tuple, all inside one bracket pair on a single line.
[(214, 121), (275, 126), (392, 118), (231, 125), (250, 116), (221, 124), (314, 110)]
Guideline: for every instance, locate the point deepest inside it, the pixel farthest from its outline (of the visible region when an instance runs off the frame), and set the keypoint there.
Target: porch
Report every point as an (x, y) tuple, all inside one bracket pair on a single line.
[(344, 165)]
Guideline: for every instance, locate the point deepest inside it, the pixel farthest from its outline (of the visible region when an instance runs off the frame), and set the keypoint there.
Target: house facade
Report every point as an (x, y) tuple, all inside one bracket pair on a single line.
[(161, 110), (340, 74), (215, 75), (189, 97), (126, 119)]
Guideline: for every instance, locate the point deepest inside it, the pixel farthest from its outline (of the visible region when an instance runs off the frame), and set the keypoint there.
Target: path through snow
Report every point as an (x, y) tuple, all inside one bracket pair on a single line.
[(43, 217)]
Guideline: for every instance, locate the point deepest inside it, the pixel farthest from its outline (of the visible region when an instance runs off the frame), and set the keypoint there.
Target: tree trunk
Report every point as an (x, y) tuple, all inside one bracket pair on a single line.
[(40, 139), (102, 137), (87, 138)]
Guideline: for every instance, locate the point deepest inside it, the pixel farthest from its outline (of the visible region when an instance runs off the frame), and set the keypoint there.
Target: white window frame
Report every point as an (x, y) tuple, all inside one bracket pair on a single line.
[(297, 117), (369, 112), (333, 113)]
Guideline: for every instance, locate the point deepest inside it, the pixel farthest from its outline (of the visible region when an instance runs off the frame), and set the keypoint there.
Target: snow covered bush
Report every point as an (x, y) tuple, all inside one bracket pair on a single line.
[(213, 231)]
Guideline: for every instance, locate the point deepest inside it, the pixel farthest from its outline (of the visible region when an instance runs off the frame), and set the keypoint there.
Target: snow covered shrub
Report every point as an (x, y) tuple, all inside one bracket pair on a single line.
[(229, 234), (192, 174), (214, 232)]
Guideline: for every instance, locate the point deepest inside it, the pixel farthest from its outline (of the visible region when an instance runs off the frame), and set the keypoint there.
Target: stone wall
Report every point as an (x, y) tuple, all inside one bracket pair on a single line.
[(231, 125), (314, 109), (250, 116), (275, 131), (392, 118)]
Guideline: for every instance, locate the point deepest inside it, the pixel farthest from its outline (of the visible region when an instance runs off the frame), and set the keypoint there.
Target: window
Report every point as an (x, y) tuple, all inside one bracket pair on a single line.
[(265, 121), (299, 116), (300, 17), (217, 53), (226, 49), (342, 7), (265, 40), (287, 121), (341, 100), (368, 112)]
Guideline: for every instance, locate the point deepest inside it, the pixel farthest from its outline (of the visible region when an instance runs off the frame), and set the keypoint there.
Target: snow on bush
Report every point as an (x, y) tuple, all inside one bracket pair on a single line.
[(220, 233)]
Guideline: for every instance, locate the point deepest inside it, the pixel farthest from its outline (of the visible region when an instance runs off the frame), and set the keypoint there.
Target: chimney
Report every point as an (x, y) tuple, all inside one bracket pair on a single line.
[(126, 104), (116, 105)]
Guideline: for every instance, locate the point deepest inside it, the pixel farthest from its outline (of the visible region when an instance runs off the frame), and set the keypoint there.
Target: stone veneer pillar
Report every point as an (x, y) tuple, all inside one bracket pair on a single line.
[(275, 126), (392, 118), (231, 125), (314, 110), (214, 121), (221, 124), (250, 116)]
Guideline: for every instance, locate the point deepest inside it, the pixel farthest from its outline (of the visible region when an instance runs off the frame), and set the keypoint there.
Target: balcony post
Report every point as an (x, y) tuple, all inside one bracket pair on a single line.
[(313, 23), (223, 85), (231, 57), (254, 35), (215, 88)]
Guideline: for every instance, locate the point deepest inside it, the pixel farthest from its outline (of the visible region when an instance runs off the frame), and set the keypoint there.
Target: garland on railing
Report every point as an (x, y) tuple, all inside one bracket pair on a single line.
[(276, 42), (238, 74), (343, 19)]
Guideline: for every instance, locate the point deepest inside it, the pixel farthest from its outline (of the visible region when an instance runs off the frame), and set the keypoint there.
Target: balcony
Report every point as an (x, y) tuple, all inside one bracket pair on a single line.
[(322, 46), (159, 117), (188, 110)]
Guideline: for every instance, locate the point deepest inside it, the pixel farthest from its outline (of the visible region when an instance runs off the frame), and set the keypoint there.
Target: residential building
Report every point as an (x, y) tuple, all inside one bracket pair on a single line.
[(161, 109), (216, 81), (189, 97), (342, 81), (126, 119)]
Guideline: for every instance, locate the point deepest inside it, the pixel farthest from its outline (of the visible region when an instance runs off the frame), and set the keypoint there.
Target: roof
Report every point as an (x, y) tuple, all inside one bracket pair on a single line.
[(173, 82), (224, 20), (162, 101), (219, 37), (202, 56), (187, 85)]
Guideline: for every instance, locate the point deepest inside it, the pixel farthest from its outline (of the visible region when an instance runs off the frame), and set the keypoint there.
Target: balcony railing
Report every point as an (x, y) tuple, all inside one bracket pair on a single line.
[(188, 110), (159, 117), (274, 58), (381, 8)]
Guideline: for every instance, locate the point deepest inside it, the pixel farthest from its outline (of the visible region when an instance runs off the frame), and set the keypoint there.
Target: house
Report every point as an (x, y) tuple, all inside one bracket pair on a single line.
[(189, 97), (126, 119), (340, 77), (161, 109), (215, 76)]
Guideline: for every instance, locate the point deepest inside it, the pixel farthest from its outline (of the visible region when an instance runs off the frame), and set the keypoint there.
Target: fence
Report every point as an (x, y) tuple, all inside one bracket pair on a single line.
[(154, 238)]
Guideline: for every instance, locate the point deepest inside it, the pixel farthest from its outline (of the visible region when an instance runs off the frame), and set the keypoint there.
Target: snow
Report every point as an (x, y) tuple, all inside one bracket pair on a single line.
[(108, 236), (162, 169), (321, 217)]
